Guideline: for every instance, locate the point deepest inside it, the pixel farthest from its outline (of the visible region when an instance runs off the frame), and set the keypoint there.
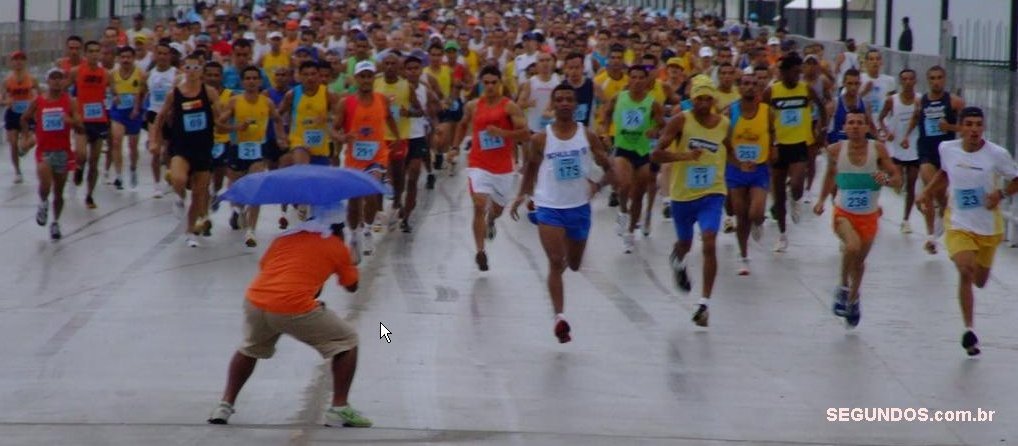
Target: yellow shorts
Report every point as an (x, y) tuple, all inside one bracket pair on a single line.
[(985, 246)]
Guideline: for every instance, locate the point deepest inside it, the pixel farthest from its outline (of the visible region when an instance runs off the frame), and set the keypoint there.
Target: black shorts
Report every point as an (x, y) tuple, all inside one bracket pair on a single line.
[(417, 148), (97, 131), (223, 158), (271, 151), (452, 114), (12, 121), (929, 153), (199, 157), (150, 118), (635, 159), (233, 161), (913, 163), (789, 154)]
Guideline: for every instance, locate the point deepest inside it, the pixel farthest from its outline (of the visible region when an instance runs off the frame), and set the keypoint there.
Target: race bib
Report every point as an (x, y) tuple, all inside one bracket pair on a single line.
[(394, 111), (632, 119), (747, 152), (218, 149), (568, 168), (365, 150), (700, 177), (491, 142), (93, 110), (19, 107), (158, 96), (314, 138), (791, 117), (126, 102), (195, 122), (249, 151), (966, 199), (455, 106), (932, 127), (580, 115), (856, 200), (53, 121)]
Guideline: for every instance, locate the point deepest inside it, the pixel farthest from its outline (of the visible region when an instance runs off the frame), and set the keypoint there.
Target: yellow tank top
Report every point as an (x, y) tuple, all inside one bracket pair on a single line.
[(611, 88), (692, 180), (223, 102), (310, 119), (126, 89), (792, 124), (271, 62), (750, 138), (399, 96), (658, 93), (726, 99), (444, 78), (257, 117)]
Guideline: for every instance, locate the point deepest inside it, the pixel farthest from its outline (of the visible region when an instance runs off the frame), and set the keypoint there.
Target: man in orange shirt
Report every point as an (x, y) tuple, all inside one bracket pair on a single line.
[(282, 300)]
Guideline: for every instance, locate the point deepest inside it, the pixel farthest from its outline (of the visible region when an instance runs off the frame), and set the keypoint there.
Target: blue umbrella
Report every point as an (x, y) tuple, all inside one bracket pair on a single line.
[(303, 184)]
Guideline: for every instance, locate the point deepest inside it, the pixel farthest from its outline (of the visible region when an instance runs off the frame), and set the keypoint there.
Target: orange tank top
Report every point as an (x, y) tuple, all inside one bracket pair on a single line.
[(91, 85), (489, 152), (367, 125), (19, 92)]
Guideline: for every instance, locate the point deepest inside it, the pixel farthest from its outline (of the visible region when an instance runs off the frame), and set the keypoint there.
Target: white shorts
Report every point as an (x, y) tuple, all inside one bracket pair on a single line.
[(497, 186)]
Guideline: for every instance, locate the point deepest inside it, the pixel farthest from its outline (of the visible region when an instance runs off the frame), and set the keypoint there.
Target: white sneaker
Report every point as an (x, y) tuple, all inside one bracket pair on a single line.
[(744, 266), (621, 224), (796, 212), (938, 227), (378, 224), (782, 243), (157, 191), (249, 239), (192, 241), (355, 247), (628, 242), (756, 231), (367, 245), (906, 228), (178, 208), (221, 414)]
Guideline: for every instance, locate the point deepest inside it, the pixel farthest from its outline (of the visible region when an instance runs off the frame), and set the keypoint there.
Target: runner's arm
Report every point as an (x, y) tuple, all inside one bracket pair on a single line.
[(606, 114), (533, 156), (892, 174), (76, 117), (832, 168), (672, 132), (884, 111), (389, 120), (463, 126), (520, 130), (29, 112), (277, 125)]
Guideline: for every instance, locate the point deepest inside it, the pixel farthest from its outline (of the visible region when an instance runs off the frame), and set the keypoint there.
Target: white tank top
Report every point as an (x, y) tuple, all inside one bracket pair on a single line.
[(562, 179), (160, 84), (540, 92), (897, 121), (419, 126)]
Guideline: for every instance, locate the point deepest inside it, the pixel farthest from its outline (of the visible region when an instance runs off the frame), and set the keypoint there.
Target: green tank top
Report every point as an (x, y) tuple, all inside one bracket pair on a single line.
[(632, 120), (338, 85)]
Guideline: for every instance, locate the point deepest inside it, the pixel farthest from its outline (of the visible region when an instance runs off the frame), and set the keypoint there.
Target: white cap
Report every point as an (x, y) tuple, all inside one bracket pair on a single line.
[(249, 35), (220, 13), (275, 35), (305, 23), (706, 52), (364, 65), (179, 47), (774, 41), (293, 16)]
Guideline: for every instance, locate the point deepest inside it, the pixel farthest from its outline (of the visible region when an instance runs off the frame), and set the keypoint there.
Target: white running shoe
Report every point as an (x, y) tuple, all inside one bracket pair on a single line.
[(367, 245), (938, 227), (249, 239), (744, 266), (796, 211), (621, 223), (192, 241), (221, 414), (782, 244), (628, 242), (906, 228), (756, 231), (157, 191)]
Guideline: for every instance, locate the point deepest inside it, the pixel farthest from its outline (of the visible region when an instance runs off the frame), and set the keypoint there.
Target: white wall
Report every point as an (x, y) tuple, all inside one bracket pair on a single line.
[(35, 10), (829, 28), (989, 16)]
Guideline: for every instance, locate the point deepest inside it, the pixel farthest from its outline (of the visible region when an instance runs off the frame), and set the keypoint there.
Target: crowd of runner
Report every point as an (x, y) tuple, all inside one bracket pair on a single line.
[(550, 103)]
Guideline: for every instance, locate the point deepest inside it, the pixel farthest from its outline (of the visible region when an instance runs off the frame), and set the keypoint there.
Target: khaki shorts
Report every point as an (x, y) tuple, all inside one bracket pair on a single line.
[(320, 328)]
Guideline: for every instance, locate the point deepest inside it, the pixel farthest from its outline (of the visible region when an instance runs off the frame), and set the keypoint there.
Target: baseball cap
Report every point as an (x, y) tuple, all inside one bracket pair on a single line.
[(703, 89), (292, 25), (810, 57), (140, 38), (706, 52), (220, 13), (452, 45), (275, 35), (677, 61), (362, 66), (305, 23), (773, 41)]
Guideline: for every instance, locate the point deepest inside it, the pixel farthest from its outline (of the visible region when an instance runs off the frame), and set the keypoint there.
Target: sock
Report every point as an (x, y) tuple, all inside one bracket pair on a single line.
[(703, 301), (560, 317)]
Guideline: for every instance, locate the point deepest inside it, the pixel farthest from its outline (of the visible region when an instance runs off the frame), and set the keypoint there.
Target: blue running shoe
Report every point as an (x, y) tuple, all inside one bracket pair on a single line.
[(854, 314), (840, 301)]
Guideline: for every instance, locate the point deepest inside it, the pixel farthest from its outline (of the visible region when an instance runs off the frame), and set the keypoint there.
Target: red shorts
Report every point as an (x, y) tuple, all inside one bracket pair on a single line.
[(865, 225)]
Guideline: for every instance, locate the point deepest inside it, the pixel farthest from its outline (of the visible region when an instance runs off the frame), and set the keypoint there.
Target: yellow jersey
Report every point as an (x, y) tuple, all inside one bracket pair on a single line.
[(310, 119), (750, 138), (444, 78), (398, 94), (126, 89), (256, 115), (272, 62), (791, 105), (221, 103), (611, 88), (692, 180)]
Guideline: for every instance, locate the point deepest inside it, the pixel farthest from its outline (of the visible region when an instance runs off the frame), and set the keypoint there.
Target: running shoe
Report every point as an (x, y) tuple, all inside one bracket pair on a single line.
[(346, 416), (157, 191), (191, 241), (482, 261), (667, 212), (378, 225), (54, 231), (491, 230), (235, 220), (782, 244), (744, 266), (628, 242), (430, 183), (970, 343), (796, 211), (221, 414), (729, 225), (249, 239), (118, 183), (562, 330), (404, 226), (79, 176), (90, 203), (840, 306), (283, 223), (930, 246), (756, 231), (367, 244), (613, 199), (621, 223), (679, 274), (906, 228), (854, 314), (42, 213), (702, 316), (207, 230)]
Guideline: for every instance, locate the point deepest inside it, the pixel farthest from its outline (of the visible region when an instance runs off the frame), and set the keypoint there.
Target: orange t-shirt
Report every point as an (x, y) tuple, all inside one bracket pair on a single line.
[(294, 268)]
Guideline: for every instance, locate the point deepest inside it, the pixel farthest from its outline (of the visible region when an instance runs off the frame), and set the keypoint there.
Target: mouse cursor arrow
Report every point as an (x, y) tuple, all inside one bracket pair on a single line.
[(384, 332)]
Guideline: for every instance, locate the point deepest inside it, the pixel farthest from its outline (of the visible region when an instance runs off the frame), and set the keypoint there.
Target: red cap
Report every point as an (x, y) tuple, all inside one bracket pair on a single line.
[(292, 25), (19, 55)]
